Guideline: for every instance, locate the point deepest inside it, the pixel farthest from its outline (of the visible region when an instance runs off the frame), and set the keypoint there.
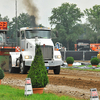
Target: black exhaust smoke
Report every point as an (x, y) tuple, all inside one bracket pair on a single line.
[(32, 21), (32, 11)]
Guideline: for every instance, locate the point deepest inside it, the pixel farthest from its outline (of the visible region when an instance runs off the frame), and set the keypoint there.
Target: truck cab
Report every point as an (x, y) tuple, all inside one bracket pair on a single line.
[(29, 37)]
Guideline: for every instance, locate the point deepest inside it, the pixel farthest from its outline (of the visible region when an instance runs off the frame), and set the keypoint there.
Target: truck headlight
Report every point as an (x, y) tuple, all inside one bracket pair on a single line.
[(28, 57), (58, 56)]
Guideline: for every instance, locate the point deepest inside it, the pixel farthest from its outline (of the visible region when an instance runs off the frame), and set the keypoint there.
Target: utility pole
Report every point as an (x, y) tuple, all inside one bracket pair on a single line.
[(16, 20)]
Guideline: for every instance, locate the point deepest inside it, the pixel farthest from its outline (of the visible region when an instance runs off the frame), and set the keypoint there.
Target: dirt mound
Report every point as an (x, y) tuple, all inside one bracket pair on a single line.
[(74, 83)]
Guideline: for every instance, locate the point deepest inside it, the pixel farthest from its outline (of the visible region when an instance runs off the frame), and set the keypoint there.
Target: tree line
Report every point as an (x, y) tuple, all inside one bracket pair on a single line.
[(66, 19)]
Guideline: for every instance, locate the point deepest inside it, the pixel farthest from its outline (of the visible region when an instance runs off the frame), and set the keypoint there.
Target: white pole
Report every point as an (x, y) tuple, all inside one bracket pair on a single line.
[(16, 19)]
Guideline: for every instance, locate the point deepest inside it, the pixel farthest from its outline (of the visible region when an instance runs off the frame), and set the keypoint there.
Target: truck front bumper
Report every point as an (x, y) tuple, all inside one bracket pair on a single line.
[(54, 63), (47, 64)]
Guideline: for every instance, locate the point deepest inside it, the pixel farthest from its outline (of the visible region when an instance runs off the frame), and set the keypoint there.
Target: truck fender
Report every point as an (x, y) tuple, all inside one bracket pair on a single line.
[(24, 53), (14, 56), (57, 53)]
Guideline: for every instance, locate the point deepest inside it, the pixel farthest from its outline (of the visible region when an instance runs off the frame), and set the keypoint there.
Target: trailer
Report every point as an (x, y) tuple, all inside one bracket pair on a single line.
[(5, 47)]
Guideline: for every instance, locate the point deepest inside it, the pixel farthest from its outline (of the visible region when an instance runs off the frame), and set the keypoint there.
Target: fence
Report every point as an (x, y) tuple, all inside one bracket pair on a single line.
[(79, 55)]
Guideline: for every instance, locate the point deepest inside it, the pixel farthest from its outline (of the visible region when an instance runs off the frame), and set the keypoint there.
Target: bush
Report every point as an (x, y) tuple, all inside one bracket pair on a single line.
[(1, 73), (70, 60), (38, 72), (94, 61)]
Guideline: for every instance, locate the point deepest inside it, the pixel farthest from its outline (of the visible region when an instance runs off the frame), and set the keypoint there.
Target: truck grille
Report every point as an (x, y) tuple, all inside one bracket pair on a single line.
[(47, 52)]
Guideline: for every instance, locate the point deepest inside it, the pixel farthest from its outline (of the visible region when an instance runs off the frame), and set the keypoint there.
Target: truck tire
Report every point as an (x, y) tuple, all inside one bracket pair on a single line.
[(12, 69), (23, 68), (17, 70), (57, 70)]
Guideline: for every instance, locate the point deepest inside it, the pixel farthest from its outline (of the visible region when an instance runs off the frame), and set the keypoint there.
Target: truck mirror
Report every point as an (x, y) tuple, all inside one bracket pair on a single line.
[(18, 33)]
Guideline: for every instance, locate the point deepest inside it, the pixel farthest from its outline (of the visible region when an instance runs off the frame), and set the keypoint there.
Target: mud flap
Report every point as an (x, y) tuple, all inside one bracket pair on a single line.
[(4, 62)]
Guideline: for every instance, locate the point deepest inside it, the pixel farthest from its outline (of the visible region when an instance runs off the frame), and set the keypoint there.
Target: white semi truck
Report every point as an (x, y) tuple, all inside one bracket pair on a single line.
[(20, 62)]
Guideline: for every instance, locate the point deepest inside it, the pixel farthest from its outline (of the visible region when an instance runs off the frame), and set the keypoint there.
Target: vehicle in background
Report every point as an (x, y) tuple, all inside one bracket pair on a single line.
[(95, 46), (86, 45), (82, 45), (5, 47)]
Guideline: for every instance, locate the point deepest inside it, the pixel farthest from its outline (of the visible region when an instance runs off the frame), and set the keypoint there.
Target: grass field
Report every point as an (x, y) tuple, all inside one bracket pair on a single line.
[(95, 70), (10, 93)]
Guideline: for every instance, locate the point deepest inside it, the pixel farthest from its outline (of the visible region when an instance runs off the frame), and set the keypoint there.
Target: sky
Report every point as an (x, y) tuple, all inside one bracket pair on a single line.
[(7, 8)]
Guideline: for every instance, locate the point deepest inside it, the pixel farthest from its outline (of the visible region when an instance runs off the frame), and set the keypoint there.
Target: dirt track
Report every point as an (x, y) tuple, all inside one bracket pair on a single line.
[(69, 82)]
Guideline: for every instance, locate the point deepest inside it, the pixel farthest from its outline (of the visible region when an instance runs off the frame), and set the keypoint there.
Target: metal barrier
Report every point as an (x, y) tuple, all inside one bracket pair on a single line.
[(79, 55)]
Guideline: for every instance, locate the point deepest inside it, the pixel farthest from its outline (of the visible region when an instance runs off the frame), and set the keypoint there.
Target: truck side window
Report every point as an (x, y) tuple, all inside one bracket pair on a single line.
[(22, 35), (27, 34)]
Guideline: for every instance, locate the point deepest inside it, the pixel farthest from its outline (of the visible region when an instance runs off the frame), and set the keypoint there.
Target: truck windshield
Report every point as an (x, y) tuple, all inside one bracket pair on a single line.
[(37, 33)]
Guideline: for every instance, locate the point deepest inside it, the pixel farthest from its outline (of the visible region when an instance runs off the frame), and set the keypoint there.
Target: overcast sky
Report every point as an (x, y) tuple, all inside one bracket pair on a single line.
[(7, 8)]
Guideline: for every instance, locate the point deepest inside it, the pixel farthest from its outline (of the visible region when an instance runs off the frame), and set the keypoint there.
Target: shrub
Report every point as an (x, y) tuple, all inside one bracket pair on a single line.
[(38, 72), (70, 60), (1, 73), (95, 61)]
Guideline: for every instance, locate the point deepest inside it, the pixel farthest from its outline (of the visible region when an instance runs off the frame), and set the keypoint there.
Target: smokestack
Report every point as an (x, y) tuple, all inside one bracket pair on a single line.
[(32, 11), (33, 21)]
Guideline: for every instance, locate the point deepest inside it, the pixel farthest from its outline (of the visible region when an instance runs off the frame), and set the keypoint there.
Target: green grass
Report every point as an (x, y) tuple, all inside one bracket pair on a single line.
[(10, 93), (95, 70), (88, 65)]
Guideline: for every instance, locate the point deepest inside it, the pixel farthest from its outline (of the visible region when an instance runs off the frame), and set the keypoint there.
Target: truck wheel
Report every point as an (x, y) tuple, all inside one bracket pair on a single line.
[(23, 68), (17, 70), (57, 70), (11, 69)]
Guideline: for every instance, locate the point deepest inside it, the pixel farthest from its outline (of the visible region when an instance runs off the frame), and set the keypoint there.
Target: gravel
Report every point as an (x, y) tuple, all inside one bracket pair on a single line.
[(50, 88)]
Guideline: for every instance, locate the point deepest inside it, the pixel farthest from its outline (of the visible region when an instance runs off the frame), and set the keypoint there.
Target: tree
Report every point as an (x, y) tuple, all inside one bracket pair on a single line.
[(38, 72), (66, 19), (93, 18), (4, 18), (23, 20), (88, 33), (40, 25)]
